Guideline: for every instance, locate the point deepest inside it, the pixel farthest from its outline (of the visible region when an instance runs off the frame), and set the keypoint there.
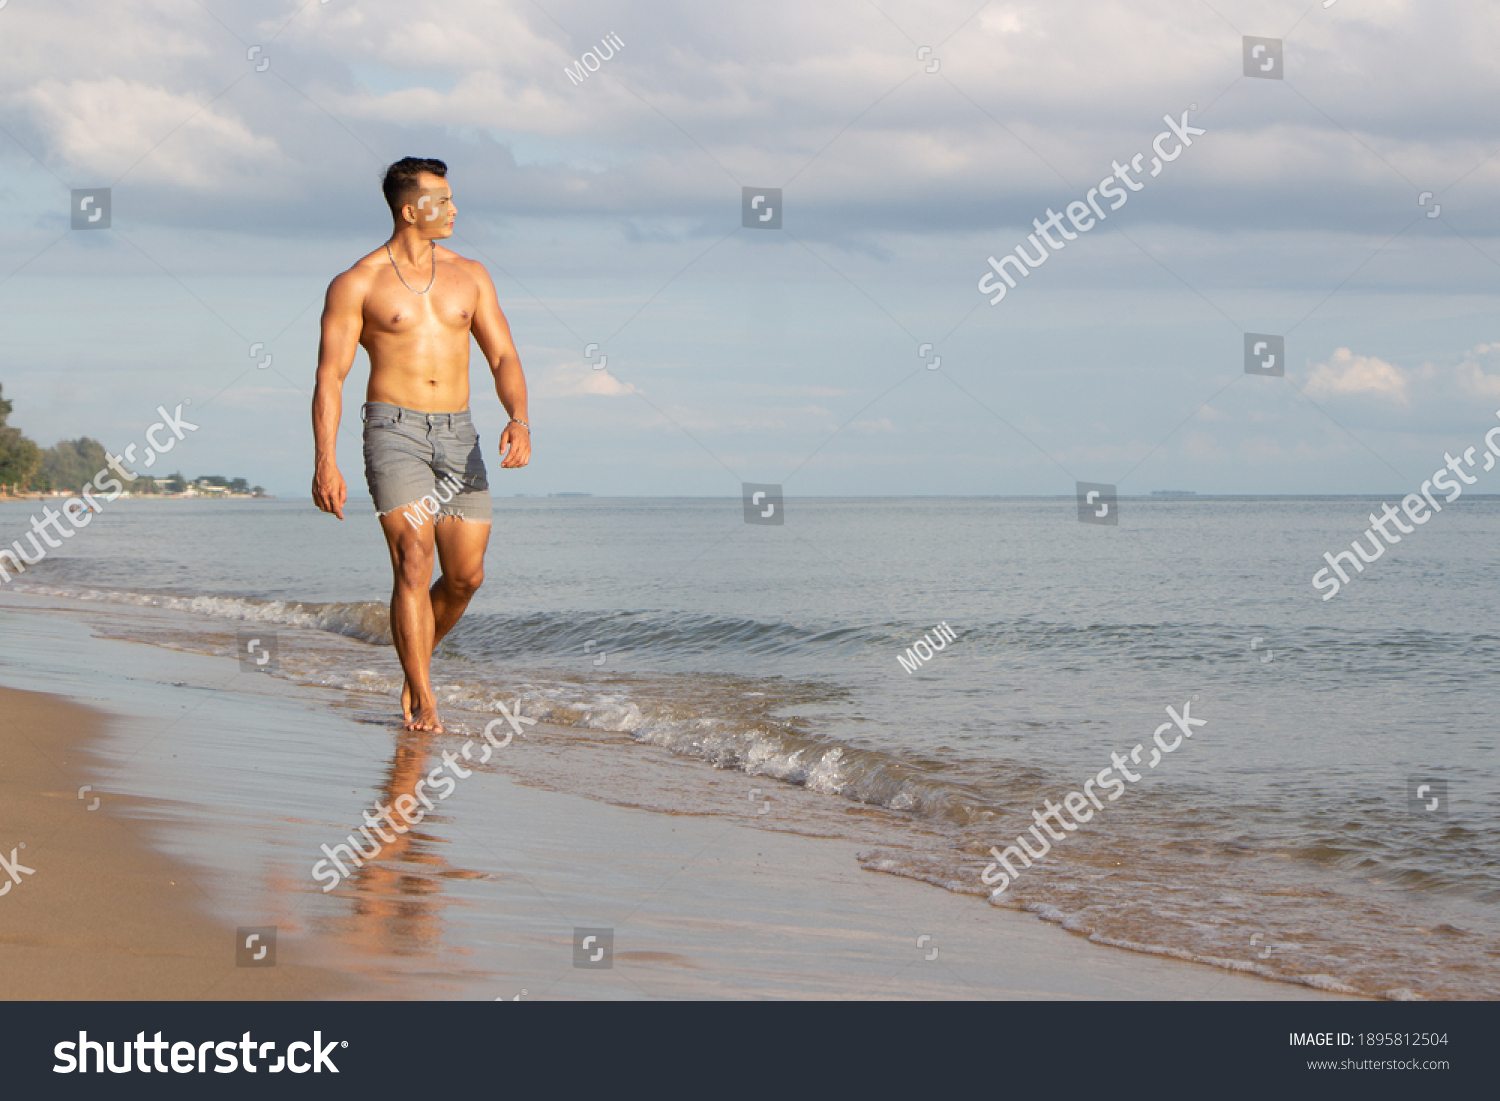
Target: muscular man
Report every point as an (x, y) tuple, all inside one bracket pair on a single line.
[(412, 306)]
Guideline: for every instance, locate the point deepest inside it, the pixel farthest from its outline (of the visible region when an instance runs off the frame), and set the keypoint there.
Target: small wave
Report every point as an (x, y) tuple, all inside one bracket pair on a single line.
[(365, 620), (661, 635)]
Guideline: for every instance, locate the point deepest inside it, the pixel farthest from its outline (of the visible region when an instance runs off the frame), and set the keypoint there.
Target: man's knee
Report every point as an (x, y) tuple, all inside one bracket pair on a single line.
[(414, 566), (465, 583)]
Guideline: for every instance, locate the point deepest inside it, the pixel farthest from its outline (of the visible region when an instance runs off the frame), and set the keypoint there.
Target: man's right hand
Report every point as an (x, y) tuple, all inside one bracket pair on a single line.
[(329, 491)]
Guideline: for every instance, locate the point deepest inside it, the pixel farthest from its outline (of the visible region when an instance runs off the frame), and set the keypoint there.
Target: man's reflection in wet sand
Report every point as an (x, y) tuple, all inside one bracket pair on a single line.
[(396, 884), (398, 891)]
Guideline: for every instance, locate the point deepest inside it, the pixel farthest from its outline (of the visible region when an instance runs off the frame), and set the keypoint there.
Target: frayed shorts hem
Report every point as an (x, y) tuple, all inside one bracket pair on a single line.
[(417, 515)]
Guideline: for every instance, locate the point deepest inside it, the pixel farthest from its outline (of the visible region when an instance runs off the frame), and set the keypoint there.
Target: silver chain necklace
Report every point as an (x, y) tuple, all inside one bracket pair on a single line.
[(399, 276)]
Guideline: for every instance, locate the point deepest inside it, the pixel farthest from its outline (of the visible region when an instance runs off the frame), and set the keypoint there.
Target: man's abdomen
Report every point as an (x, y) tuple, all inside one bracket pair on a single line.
[(414, 375)]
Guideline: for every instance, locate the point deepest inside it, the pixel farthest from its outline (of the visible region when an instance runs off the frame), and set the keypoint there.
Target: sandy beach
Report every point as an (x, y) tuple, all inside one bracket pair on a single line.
[(218, 789), (98, 913)]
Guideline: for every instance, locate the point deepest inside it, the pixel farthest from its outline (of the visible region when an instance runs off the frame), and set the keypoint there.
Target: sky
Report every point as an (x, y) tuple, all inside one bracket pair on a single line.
[(1344, 202)]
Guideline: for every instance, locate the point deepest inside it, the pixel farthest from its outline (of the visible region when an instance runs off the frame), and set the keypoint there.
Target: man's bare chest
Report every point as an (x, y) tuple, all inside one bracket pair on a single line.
[(394, 308)]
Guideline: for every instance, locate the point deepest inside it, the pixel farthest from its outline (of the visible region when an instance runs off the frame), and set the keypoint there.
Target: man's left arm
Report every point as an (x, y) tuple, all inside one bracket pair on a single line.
[(492, 332)]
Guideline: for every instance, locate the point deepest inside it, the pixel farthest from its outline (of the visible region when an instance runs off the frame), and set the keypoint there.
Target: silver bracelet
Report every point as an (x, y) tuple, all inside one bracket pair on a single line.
[(523, 424)]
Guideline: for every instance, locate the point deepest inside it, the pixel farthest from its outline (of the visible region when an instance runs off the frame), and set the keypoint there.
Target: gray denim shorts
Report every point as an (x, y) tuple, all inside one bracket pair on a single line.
[(428, 460)]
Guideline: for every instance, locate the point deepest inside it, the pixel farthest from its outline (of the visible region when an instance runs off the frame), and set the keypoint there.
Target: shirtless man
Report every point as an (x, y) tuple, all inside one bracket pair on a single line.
[(412, 306)]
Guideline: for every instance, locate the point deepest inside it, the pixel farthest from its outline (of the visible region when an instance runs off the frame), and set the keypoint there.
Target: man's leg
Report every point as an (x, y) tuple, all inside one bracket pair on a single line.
[(412, 624), (460, 551)]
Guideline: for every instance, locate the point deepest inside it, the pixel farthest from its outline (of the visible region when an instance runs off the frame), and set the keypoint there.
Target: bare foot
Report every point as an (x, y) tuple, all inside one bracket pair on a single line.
[(425, 718), (406, 699)]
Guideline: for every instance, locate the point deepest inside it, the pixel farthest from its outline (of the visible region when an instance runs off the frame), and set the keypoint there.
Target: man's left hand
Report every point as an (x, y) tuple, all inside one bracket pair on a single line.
[(515, 445)]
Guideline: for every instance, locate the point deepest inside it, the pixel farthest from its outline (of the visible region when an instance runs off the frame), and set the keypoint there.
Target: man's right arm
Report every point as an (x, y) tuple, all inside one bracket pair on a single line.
[(343, 321)]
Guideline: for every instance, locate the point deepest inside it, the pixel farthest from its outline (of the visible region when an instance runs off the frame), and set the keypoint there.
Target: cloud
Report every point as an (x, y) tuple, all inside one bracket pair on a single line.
[(1347, 374), (1470, 374), (1432, 385), (830, 100), (566, 380), (105, 126)]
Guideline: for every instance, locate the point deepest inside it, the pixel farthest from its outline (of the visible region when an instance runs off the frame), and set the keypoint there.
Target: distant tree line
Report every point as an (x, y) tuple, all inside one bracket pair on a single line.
[(68, 467)]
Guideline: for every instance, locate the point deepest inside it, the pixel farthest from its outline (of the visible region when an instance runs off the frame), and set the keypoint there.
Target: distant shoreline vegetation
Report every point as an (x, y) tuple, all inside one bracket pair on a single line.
[(27, 470)]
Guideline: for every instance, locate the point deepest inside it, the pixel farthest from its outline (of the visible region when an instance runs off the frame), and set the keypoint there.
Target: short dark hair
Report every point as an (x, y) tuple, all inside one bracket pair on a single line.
[(401, 180)]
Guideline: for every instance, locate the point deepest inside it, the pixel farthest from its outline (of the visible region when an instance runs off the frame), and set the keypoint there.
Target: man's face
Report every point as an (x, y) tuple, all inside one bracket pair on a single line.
[(431, 209)]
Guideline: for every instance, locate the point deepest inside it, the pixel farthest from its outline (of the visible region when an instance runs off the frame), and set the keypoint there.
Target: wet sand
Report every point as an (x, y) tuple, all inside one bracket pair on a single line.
[(220, 786), (102, 915)]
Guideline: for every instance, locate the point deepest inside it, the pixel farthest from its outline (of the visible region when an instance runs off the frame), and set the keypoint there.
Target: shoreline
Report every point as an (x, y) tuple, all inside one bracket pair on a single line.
[(485, 898)]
